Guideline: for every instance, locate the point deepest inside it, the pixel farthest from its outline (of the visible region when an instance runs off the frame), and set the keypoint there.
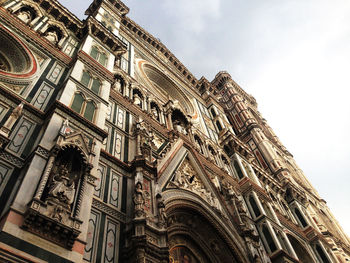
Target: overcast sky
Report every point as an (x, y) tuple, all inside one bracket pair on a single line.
[(293, 56)]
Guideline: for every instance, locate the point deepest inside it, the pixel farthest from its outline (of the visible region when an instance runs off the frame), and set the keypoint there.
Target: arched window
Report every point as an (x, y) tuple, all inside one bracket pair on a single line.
[(321, 254), (282, 241), (77, 102), (238, 169), (218, 125), (87, 108), (300, 217), (91, 83), (98, 55), (85, 79), (269, 240), (95, 86), (254, 206), (213, 113)]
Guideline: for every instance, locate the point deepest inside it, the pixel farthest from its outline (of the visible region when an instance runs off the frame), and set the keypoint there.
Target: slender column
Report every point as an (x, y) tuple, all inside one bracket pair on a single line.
[(81, 195), (45, 177)]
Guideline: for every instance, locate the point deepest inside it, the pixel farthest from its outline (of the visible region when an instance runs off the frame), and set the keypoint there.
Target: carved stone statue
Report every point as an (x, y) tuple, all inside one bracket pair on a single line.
[(62, 187), (155, 113), (52, 36), (137, 100), (162, 217), (25, 16), (16, 113), (179, 127), (139, 200)]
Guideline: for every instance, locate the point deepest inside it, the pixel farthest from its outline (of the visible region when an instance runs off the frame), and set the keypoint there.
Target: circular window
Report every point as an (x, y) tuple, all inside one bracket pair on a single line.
[(15, 58)]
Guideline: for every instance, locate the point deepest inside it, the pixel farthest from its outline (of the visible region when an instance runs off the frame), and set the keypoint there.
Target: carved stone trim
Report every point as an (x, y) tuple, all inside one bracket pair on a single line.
[(12, 159), (108, 210), (42, 152)]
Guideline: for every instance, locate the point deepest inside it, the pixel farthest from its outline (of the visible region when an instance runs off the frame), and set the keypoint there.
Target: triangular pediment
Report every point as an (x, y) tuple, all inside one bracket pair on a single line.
[(185, 173), (69, 136), (187, 178), (79, 140)]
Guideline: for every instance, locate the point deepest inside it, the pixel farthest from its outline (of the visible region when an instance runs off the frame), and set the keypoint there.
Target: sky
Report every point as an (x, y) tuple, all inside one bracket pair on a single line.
[(293, 56)]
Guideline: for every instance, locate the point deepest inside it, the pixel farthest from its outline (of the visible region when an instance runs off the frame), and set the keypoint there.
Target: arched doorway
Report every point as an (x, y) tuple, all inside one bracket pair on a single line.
[(193, 238), (300, 250)]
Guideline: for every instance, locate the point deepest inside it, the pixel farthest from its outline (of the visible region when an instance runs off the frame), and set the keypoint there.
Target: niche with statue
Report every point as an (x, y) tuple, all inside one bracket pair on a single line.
[(54, 212)]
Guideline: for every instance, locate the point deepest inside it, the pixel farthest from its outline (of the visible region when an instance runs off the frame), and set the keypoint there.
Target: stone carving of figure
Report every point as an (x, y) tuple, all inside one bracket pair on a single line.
[(16, 113), (179, 127), (118, 86), (155, 113), (162, 217), (139, 200), (57, 213), (216, 182), (62, 187), (25, 16), (52, 36), (137, 100)]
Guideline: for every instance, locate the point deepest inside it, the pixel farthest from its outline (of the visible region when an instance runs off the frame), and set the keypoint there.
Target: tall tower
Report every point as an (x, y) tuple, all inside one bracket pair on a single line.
[(112, 151)]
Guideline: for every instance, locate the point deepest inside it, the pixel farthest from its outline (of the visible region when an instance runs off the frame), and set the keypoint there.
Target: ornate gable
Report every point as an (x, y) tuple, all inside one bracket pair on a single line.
[(187, 177)]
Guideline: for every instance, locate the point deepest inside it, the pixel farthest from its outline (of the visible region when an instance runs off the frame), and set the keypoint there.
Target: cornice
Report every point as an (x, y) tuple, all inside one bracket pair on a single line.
[(62, 14), (141, 33), (115, 5), (110, 40), (34, 37)]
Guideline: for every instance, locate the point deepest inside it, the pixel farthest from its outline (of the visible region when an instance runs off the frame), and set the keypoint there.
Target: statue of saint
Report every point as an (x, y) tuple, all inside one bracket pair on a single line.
[(62, 187), (25, 16), (155, 113), (52, 36), (139, 200), (162, 217), (137, 100)]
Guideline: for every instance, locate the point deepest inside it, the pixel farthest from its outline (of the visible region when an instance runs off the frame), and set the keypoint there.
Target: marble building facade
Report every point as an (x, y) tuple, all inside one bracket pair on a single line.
[(112, 151)]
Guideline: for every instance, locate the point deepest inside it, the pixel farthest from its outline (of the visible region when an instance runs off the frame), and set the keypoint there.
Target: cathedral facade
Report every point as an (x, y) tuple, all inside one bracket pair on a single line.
[(112, 151)]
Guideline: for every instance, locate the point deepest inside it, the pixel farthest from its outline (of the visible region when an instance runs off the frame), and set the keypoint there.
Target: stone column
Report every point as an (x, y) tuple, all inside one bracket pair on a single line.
[(45, 176)]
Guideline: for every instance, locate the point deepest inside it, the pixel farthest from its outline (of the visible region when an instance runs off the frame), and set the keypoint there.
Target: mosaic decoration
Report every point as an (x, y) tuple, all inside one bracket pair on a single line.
[(55, 73), (110, 242), (118, 146), (100, 179), (42, 98), (120, 118), (114, 189), (24, 129), (4, 171), (91, 237)]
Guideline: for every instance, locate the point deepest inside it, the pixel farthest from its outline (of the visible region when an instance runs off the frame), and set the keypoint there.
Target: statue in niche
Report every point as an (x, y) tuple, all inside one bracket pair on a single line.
[(139, 200), (62, 188), (52, 36), (25, 16), (162, 217), (155, 113), (178, 126), (137, 100)]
